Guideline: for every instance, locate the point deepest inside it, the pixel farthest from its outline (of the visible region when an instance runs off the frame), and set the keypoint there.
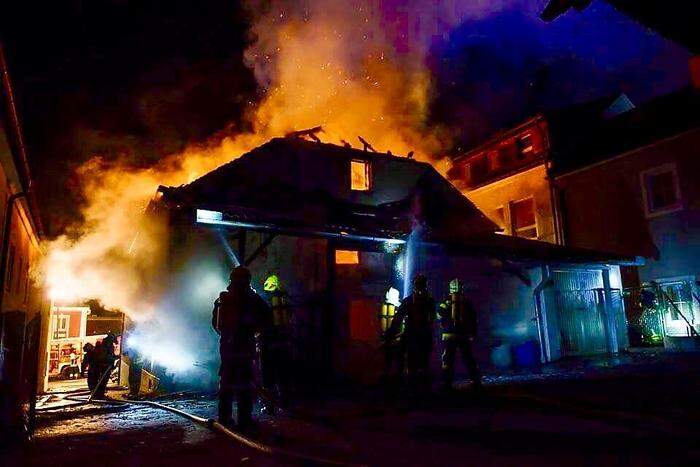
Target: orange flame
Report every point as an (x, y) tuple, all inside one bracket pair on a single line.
[(339, 64)]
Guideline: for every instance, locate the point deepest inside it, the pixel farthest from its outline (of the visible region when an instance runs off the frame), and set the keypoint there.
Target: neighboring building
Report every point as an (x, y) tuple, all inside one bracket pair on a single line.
[(24, 308), (341, 226), (676, 21), (606, 176), (506, 178), (509, 176), (634, 190)]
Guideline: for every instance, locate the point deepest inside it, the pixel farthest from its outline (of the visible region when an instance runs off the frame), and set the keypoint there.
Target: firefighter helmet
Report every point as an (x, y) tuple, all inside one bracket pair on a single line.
[(240, 275), (393, 297), (272, 283), (420, 282)]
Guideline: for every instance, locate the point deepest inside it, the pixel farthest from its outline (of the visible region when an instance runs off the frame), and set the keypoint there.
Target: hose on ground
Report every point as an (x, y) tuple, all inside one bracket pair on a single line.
[(216, 426)]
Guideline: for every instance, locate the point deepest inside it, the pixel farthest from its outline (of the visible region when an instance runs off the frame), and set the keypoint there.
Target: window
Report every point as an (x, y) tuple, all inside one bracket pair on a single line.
[(524, 145), (478, 169), (360, 175), (661, 190), (10, 268), (523, 220), (495, 161), (347, 257), (676, 299), (499, 217), (60, 326)]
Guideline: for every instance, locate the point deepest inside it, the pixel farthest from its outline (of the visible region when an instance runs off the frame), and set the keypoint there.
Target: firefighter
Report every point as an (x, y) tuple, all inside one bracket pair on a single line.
[(459, 329), (239, 313), (104, 362), (276, 344), (416, 315), (90, 365), (394, 352)]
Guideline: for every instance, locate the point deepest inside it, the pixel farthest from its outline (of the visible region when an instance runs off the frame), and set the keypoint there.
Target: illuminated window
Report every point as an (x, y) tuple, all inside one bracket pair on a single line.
[(347, 257), (524, 145), (360, 175), (661, 190), (523, 220)]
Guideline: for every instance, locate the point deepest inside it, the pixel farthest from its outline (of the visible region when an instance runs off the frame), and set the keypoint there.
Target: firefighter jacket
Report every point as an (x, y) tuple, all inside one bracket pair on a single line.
[(415, 316), (281, 317), (457, 317), (238, 315)]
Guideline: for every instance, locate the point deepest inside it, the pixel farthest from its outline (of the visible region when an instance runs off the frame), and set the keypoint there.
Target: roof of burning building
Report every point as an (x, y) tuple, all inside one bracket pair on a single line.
[(303, 184), (300, 187)]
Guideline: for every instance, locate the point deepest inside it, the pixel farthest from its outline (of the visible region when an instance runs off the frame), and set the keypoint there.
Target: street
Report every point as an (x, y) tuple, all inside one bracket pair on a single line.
[(633, 414)]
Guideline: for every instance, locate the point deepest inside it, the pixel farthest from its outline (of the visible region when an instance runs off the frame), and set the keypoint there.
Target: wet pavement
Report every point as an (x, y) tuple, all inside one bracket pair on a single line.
[(639, 410)]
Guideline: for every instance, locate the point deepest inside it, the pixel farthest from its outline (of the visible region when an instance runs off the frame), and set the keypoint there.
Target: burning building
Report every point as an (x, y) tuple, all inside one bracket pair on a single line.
[(340, 227)]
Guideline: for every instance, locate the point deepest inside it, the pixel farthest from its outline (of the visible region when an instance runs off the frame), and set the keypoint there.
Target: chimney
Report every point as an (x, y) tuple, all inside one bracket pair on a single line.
[(694, 65)]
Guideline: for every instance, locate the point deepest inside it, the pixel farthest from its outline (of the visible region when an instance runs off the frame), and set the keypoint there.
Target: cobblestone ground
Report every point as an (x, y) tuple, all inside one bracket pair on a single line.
[(638, 410)]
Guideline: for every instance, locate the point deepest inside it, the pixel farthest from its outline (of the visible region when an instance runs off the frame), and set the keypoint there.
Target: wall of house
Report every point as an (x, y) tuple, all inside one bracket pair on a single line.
[(504, 304), (495, 199), (341, 302), (21, 293), (605, 209)]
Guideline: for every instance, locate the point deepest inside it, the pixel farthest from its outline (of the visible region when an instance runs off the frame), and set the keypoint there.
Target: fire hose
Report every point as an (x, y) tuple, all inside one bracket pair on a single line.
[(218, 427)]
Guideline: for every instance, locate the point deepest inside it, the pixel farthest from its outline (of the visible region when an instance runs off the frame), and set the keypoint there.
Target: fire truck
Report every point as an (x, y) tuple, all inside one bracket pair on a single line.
[(66, 341)]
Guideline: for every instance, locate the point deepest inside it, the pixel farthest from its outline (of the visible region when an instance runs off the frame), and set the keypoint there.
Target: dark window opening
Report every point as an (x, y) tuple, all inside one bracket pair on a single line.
[(662, 191), (478, 169), (524, 144)]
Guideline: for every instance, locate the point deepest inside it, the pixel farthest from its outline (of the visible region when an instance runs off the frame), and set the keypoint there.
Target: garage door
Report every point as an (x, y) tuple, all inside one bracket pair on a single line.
[(580, 312)]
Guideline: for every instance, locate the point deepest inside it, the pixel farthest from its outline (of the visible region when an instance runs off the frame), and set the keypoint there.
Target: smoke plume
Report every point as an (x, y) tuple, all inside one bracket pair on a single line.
[(356, 67)]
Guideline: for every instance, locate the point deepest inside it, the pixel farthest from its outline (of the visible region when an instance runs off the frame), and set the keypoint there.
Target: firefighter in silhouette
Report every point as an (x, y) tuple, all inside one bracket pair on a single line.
[(416, 315), (394, 352), (276, 344), (103, 360), (89, 365), (459, 328), (239, 313)]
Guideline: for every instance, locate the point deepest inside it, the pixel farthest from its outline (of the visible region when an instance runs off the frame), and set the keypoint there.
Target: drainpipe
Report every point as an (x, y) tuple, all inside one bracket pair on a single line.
[(540, 315)]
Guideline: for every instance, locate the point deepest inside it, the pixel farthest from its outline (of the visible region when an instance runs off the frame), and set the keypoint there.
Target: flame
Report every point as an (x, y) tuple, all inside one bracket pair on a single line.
[(355, 67)]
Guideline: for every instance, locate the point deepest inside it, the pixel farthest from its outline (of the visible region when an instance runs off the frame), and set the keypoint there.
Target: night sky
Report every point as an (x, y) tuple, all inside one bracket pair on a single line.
[(147, 77)]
